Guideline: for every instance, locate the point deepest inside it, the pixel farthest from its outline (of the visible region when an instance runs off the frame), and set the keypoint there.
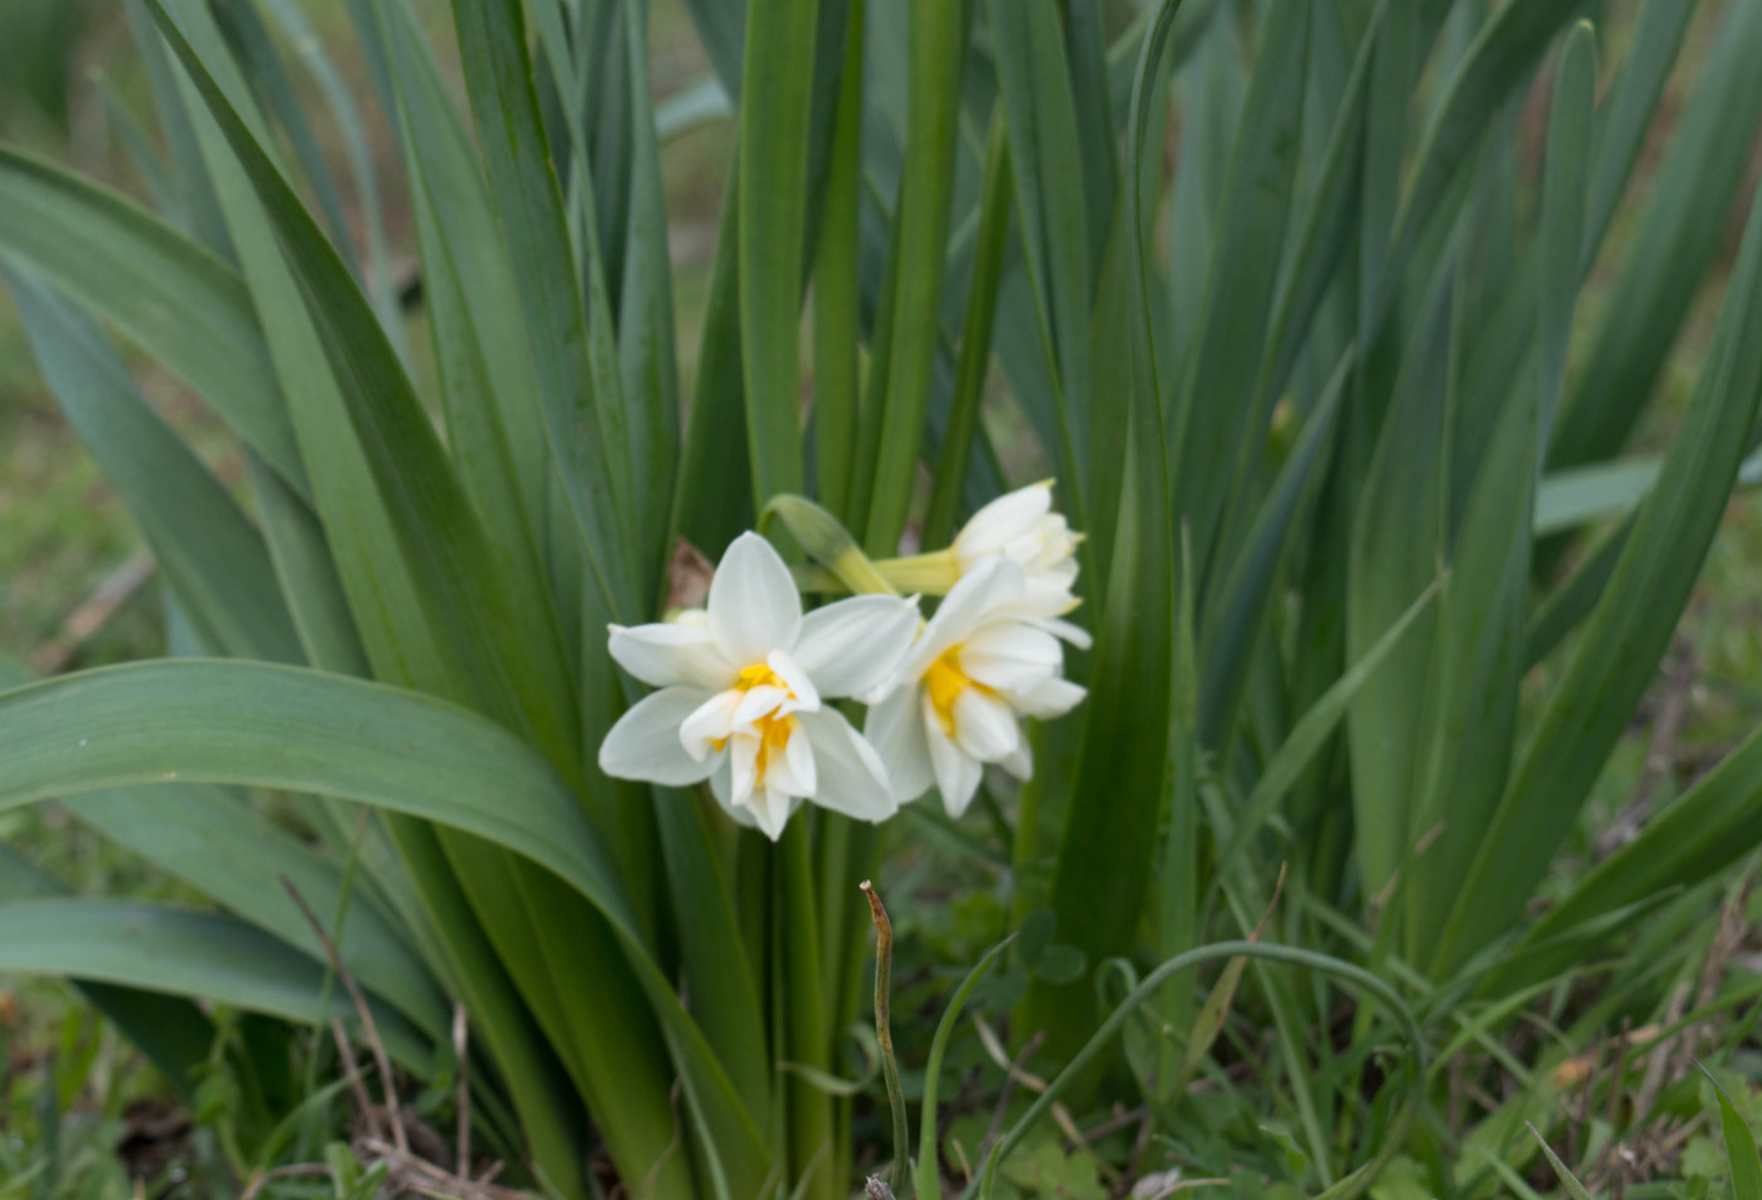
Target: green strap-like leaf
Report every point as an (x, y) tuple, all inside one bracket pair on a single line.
[(1630, 628), (587, 432), (1472, 705), (171, 1031), (772, 212), (183, 305), (1107, 850), (508, 664), (213, 559), (937, 50), (1211, 417), (239, 859), (304, 731), (183, 952)]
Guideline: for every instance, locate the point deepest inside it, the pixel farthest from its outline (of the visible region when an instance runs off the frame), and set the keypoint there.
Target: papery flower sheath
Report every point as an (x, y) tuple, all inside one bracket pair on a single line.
[(742, 691), (977, 668)]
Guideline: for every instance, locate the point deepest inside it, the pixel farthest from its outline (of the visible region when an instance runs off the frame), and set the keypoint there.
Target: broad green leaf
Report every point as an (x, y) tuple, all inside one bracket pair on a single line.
[(1311, 733), (1702, 833), (715, 499), (772, 211), (1397, 540), (938, 44), (239, 859), (212, 557), (700, 104), (1629, 629), (309, 49), (586, 423), (504, 660), (307, 571), (1472, 702), (320, 734), (489, 392), (975, 345), (180, 303), (1040, 119), (1680, 232), (1209, 94), (1658, 31), (1235, 619), (185, 952), (1498, 62), (1106, 851), (837, 290), (645, 304), (174, 1034), (1582, 495), (1211, 420), (1325, 235)]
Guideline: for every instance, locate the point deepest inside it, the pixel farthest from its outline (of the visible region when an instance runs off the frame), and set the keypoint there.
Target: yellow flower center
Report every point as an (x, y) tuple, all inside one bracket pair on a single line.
[(945, 681), (773, 730), (759, 675), (774, 734)]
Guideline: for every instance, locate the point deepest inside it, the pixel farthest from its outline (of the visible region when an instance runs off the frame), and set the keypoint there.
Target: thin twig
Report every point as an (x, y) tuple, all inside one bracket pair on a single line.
[(1060, 1114), (461, 1044), (351, 1071), (94, 612), (260, 1177), (1009, 1082), (369, 1029)]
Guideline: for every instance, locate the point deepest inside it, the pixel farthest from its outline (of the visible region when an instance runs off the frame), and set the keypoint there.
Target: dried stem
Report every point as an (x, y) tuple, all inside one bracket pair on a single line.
[(884, 1034), (461, 1043), (369, 1028)]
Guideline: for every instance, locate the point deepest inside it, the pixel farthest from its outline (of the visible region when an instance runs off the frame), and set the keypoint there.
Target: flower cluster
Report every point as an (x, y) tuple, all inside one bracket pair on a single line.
[(744, 682)]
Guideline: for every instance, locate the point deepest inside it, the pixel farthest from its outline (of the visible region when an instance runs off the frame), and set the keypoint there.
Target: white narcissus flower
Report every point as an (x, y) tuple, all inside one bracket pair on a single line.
[(979, 666), (741, 691), (1022, 527)]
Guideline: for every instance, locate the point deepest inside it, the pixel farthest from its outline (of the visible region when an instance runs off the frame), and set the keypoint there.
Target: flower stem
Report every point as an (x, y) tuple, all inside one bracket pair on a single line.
[(884, 1033)]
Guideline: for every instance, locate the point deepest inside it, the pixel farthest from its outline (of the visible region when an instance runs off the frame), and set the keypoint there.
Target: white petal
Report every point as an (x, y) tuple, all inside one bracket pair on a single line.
[(1046, 595), (756, 703), (852, 780), (1020, 762), (957, 774), (770, 809), (743, 757), (644, 744), (722, 786), (794, 771), (669, 655), (852, 645), (754, 608), (992, 584), (1076, 635), (984, 727), (1053, 698), (796, 678), (709, 723), (895, 727), (1003, 519), (1011, 655)]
